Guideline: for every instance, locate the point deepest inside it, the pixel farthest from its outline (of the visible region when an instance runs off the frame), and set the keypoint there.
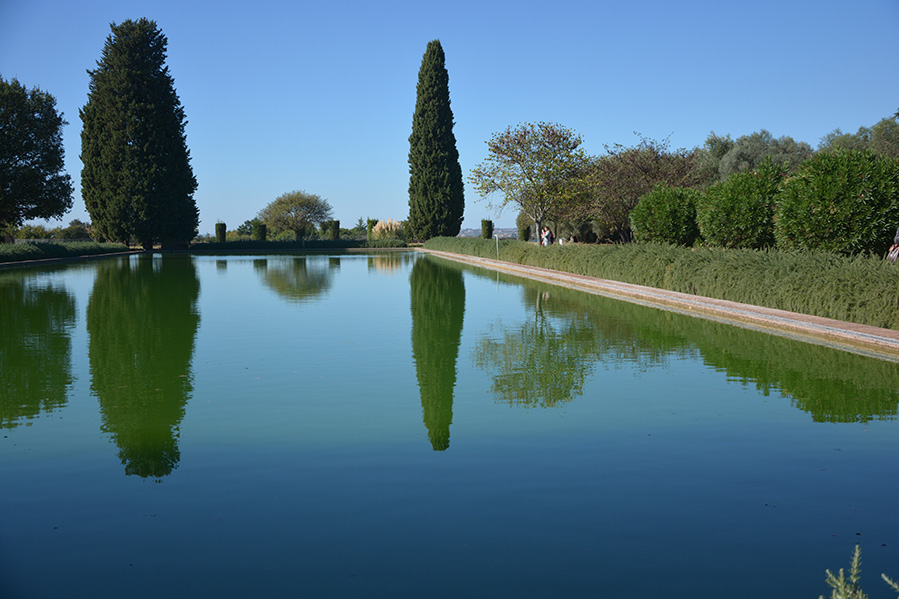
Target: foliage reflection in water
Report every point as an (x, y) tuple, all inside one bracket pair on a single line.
[(141, 374), (399, 424)]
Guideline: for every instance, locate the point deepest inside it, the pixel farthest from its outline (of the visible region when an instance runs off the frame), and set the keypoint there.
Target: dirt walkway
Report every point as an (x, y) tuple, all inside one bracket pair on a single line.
[(862, 339)]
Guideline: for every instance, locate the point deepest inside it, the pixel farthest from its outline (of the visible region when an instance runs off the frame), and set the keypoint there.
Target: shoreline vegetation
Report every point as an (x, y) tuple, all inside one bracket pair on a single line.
[(29, 252), (857, 289)]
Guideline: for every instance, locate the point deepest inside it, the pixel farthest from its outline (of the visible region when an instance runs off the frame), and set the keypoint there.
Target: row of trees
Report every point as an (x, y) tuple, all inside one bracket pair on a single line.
[(845, 201), (137, 182), (543, 170)]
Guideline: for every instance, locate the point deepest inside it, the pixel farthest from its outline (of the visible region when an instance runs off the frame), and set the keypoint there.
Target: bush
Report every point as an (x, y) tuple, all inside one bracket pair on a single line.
[(845, 202), (523, 223), (38, 251), (739, 212), (487, 229), (331, 229), (260, 231), (859, 289), (666, 215), (387, 229), (221, 232)]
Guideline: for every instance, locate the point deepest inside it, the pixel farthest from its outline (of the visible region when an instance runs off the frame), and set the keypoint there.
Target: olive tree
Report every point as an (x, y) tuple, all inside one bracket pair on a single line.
[(295, 211), (535, 166)]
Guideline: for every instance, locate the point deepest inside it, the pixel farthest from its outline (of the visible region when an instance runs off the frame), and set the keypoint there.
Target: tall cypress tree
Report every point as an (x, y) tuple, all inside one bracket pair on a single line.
[(436, 200), (137, 181)]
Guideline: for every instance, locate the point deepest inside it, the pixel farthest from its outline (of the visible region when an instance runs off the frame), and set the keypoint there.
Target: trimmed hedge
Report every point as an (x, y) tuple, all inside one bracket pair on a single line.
[(739, 212), (860, 289), (845, 202), (666, 215), (487, 229), (18, 252)]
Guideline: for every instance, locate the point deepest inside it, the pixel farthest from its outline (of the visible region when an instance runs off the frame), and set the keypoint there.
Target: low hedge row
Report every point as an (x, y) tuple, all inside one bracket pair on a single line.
[(859, 289), (18, 252)]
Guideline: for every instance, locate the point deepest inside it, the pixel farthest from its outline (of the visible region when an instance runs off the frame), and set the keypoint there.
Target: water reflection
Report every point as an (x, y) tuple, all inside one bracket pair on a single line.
[(142, 320), (542, 362), (438, 309), (297, 279), (546, 361), (36, 321), (389, 263)]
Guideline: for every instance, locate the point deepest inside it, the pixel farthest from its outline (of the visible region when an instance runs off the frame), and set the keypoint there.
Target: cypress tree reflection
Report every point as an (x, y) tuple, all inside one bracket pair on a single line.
[(35, 348), (438, 309), (142, 321), (299, 279)]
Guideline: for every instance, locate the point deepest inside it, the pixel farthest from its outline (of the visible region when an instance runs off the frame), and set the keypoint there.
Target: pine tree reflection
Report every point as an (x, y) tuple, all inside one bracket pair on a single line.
[(300, 279), (438, 310), (35, 348), (142, 320)]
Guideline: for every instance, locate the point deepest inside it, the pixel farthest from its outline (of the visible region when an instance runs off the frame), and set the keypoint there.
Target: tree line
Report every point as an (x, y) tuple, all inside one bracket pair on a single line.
[(542, 170), (138, 185)]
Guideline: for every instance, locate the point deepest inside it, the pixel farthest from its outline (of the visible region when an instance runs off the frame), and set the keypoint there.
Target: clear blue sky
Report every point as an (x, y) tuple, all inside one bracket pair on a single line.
[(319, 96)]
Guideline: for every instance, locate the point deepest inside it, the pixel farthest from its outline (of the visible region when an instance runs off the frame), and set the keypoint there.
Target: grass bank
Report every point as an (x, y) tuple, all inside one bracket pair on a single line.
[(19, 252), (859, 289)]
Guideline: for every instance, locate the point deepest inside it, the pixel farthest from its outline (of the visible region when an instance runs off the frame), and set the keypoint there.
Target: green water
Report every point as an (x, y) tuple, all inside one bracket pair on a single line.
[(398, 425)]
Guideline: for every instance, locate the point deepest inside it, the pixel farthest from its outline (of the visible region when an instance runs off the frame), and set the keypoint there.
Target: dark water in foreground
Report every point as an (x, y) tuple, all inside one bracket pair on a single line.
[(401, 426)]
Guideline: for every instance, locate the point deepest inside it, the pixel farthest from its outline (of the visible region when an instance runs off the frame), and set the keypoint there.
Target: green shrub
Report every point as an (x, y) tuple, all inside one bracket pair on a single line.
[(260, 231), (221, 232), (666, 215), (331, 229), (861, 289), (845, 202), (15, 252), (739, 212), (487, 229), (523, 223), (850, 588)]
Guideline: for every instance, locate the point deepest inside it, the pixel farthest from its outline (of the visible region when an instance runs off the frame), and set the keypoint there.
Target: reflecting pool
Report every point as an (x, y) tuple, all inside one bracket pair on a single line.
[(400, 425)]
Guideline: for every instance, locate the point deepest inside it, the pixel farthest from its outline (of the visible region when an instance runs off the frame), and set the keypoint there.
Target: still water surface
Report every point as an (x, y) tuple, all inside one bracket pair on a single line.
[(398, 425)]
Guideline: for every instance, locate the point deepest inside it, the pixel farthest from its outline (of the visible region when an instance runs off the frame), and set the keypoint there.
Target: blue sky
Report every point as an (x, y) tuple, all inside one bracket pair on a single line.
[(319, 96)]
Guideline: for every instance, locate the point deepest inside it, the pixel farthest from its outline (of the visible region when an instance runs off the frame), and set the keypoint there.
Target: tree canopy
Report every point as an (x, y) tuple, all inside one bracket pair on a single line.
[(614, 183), (535, 166), (436, 195), (749, 151), (881, 138), (33, 183), (137, 181), (295, 211)]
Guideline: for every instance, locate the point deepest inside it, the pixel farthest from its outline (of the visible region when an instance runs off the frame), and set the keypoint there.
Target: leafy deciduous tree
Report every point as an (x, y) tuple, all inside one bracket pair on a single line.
[(137, 181), (33, 183), (436, 194), (614, 183), (534, 166), (296, 211)]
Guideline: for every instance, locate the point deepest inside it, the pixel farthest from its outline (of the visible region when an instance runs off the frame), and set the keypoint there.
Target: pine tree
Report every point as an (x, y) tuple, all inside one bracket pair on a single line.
[(436, 200), (137, 181)]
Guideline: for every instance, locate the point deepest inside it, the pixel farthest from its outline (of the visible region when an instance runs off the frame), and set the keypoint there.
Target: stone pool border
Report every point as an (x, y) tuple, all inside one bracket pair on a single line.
[(861, 339)]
